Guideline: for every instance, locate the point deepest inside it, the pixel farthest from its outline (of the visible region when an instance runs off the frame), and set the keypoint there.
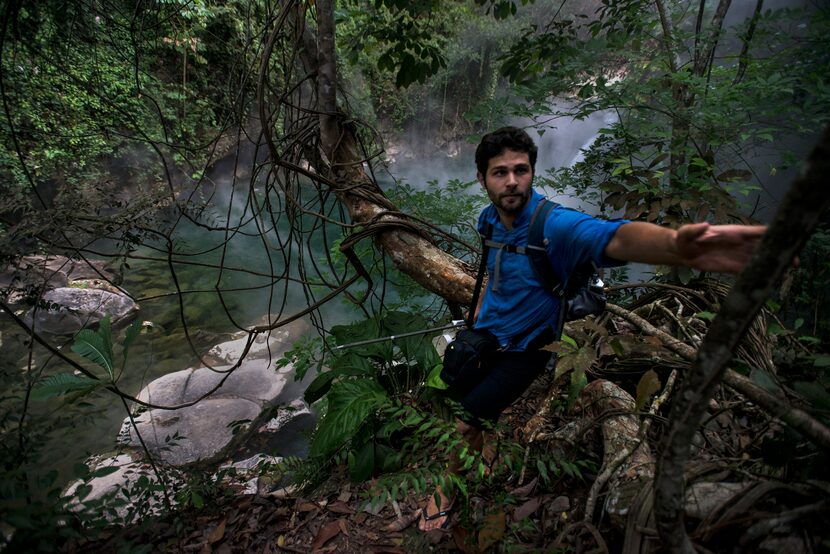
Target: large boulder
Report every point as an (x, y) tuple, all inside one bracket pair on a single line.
[(72, 309), (49, 272), (207, 430)]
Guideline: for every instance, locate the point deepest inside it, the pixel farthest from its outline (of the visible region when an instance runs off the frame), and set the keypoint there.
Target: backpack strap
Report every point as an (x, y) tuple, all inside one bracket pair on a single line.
[(536, 242), (485, 249)]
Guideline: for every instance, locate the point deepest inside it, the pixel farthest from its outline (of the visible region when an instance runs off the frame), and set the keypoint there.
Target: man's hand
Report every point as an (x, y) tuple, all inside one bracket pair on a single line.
[(724, 248)]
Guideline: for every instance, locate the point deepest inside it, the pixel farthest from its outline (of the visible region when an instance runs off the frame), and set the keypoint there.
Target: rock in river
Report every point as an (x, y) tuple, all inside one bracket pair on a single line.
[(71, 309)]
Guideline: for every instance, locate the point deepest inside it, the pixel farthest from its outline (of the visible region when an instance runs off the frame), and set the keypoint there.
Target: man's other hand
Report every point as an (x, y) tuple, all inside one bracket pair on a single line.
[(724, 248)]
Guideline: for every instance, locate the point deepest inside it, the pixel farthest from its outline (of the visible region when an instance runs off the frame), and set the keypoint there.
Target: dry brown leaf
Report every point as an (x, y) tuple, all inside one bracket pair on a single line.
[(361, 518), (340, 507), (343, 528), (325, 534), (526, 490), (648, 385), (307, 507), (526, 509), (653, 341), (217, 534), (404, 522), (492, 531)]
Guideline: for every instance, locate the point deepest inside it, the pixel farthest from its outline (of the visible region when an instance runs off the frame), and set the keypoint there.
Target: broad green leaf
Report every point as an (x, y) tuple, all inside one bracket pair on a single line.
[(350, 403), (814, 393), (709, 316), (648, 385), (196, 498), (569, 340), (362, 463), (322, 383), (434, 380), (763, 379), (63, 383)]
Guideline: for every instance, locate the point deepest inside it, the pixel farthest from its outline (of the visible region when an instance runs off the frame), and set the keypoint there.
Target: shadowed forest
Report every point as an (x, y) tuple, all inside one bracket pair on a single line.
[(233, 234)]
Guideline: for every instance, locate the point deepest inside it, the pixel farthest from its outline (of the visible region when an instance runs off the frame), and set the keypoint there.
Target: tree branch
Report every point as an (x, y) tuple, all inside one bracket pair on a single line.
[(743, 57), (770, 403), (795, 221)]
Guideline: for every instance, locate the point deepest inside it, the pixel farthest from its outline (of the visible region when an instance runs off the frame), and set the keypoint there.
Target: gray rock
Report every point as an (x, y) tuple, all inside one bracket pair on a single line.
[(560, 504), (205, 431), (75, 308), (55, 271), (246, 478), (254, 381), (110, 489), (265, 345), (197, 433)]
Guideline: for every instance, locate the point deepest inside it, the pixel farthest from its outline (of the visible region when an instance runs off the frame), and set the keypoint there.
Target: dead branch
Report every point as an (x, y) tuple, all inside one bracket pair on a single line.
[(770, 403)]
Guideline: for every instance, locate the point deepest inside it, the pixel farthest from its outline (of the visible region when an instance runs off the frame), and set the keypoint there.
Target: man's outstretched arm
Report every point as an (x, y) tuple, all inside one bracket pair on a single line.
[(715, 248)]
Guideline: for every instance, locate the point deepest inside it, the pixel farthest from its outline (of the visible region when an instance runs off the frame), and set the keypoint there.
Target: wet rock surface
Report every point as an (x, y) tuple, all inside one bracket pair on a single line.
[(72, 309)]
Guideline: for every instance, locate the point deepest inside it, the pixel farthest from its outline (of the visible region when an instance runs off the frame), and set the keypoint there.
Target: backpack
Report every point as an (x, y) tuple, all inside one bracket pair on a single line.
[(581, 295)]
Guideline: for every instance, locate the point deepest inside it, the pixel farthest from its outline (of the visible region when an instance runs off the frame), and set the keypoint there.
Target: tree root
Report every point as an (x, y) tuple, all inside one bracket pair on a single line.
[(774, 405)]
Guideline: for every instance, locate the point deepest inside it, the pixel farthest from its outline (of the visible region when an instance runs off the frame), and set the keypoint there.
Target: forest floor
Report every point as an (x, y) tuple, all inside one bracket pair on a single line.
[(571, 476)]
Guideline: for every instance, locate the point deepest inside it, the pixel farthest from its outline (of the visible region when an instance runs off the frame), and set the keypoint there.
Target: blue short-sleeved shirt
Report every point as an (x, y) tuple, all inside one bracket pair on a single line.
[(517, 307)]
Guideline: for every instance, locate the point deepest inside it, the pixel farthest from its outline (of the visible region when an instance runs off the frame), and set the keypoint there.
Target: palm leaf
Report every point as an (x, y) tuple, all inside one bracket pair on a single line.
[(94, 348), (63, 383)]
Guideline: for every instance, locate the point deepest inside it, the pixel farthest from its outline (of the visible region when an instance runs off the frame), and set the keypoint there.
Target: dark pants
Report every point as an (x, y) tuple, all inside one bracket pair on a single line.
[(509, 376)]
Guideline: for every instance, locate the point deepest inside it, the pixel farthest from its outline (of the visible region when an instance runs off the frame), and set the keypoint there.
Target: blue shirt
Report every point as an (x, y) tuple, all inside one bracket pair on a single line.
[(517, 307)]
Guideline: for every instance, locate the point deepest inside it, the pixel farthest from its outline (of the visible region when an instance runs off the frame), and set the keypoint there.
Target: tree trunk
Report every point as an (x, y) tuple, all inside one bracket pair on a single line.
[(411, 253)]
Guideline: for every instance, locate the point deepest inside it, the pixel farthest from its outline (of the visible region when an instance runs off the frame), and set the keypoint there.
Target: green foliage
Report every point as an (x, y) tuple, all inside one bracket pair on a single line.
[(96, 346), (64, 384), (422, 65), (409, 40), (362, 384), (349, 403), (678, 147)]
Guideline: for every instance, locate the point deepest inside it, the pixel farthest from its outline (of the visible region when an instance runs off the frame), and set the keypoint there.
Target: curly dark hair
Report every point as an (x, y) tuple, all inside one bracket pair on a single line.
[(506, 138)]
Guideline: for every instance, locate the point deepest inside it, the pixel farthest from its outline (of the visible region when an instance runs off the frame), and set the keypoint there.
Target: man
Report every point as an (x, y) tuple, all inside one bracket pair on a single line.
[(520, 311)]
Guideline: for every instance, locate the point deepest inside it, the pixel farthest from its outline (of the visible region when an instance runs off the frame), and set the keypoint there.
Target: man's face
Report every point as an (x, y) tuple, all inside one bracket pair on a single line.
[(508, 182)]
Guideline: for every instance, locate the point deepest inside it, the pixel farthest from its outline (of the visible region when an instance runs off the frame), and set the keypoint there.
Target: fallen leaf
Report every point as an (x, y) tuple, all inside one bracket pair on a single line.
[(307, 507), (361, 518), (343, 529), (325, 534), (340, 507), (217, 534), (404, 522), (492, 531), (460, 536), (525, 490), (648, 385), (653, 341), (526, 509)]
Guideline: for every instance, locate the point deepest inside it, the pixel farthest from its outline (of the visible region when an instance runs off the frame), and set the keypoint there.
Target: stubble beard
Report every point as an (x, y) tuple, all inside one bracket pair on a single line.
[(508, 204)]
